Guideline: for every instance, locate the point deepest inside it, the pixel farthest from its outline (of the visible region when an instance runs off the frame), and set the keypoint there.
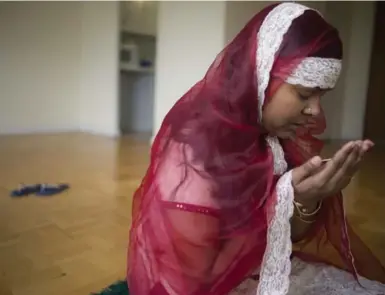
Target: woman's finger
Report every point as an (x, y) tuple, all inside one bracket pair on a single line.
[(362, 147), (335, 163), (305, 170), (320, 178), (351, 164), (366, 146), (348, 168), (369, 143)]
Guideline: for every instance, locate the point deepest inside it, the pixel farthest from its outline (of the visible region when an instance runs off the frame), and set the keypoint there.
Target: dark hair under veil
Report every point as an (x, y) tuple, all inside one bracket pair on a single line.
[(213, 139)]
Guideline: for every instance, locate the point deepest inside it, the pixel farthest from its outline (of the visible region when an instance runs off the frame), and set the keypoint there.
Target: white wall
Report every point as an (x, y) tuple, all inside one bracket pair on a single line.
[(40, 66), (238, 13), (58, 64), (189, 36), (99, 68)]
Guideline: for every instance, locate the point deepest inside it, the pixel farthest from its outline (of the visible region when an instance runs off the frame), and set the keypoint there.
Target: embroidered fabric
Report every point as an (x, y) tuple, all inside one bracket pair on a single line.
[(275, 266), (280, 165), (318, 279), (275, 270), (311, 72), (269, 39), (316, 72)]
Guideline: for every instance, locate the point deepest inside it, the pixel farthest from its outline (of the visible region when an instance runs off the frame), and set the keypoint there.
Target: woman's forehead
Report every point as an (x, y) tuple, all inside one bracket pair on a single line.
[(311, 90)]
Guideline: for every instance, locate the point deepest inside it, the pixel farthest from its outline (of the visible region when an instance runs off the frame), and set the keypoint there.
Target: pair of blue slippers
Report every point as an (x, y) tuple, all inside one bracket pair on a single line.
[(40, 190)]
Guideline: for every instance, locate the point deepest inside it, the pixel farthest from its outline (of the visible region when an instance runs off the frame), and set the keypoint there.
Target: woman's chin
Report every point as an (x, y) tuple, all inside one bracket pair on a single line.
[(285, 134)]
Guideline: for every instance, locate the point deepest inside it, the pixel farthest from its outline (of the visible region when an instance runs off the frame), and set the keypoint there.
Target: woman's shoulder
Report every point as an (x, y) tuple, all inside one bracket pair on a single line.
[(183, 182)]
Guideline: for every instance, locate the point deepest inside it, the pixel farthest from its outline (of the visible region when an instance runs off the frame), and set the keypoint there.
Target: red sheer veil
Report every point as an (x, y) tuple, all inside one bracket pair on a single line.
[(201, 213)]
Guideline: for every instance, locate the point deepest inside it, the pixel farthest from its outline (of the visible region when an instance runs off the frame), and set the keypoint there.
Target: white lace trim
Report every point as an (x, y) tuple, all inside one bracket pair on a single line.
[(269, 39), (276, 265), (316, 72), (280, 165)]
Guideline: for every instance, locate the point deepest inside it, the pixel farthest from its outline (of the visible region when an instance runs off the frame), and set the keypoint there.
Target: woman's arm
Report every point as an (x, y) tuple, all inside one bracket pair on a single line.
[(313, 181), (302, 222)]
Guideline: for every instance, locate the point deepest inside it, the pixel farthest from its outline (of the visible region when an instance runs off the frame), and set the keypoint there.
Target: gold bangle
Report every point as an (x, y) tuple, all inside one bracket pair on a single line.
[(304, 220), (303, 211)]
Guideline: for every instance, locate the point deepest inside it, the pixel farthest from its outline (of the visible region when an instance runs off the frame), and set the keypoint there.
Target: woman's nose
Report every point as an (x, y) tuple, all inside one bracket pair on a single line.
[(313, 107)]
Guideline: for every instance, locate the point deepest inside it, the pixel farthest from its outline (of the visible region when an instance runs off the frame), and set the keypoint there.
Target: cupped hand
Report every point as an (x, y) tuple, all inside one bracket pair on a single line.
[(314, 180)]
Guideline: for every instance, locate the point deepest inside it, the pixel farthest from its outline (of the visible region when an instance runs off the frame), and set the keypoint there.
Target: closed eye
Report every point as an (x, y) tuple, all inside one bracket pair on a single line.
[(304, 96)]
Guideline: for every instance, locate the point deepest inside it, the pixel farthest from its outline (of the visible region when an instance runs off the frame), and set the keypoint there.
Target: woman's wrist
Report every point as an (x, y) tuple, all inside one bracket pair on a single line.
[(308, 201), (308, 206), (307, 211)]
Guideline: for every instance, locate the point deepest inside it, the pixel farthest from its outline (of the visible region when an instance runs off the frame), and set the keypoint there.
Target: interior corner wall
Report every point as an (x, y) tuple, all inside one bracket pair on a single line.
[(339, 15), (190, 35), (99, 68), (357, 62), (345, 105)]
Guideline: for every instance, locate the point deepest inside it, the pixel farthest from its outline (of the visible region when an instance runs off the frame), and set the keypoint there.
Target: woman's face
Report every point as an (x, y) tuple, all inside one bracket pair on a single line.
[(290, 108)]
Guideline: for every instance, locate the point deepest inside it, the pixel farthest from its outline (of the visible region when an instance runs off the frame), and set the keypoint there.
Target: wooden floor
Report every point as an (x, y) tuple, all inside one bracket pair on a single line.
[(76, 242)]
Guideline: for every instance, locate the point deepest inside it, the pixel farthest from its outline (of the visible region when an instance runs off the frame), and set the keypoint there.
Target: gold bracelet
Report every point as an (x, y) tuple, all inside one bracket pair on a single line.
[(303, 214), (304, 220), (303, 211)]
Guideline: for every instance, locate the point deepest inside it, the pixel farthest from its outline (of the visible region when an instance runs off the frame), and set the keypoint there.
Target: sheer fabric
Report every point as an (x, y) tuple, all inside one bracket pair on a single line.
[(202, 212)]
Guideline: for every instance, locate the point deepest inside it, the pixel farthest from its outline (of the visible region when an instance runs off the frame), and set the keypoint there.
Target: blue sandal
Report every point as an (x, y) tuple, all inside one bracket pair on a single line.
[(51, 189), (26, 190)]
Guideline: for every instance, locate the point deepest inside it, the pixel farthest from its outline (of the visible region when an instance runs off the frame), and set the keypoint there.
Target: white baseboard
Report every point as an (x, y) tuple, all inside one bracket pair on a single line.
[(115, 134), (36, 132)]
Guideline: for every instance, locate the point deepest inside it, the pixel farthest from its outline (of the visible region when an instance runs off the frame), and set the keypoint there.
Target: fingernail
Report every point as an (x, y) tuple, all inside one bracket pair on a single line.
[(316, 160)]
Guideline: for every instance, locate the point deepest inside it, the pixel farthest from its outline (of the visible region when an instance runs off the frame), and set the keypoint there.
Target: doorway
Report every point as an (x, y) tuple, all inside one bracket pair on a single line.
[(138, 27)]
